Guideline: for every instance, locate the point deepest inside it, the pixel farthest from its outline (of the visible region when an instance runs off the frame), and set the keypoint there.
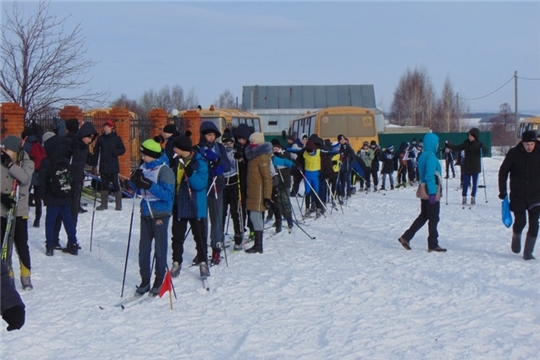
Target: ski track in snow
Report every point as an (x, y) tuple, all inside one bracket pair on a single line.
[(353, 294)]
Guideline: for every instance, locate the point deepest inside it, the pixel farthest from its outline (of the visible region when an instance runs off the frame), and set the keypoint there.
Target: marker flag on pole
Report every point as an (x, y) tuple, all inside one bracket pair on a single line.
[(167, 284)]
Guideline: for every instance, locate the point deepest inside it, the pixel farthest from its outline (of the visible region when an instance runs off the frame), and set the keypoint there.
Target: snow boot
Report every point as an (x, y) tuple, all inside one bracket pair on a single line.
[(36, 223), (175, 270), (290, 223), (238, 242), (25, 278), (404, 243), (49, 251), (278, 225), (258, 247), (156, 286), (118, 199), (529, 247), (203, 270), (104, 201), (516, 243), (464, 200), (437, 249), (216, 257), (196, 260), (473, 200), (71, 248), (144, 287)]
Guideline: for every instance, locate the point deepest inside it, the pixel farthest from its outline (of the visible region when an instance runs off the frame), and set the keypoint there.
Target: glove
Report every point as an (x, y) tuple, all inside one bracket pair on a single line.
[(7, 201), (6, 159), (211, 156), (502, 196), (136, 175), (267, 203), (432, 199), (218, 170), (14, 317), (189, 171)]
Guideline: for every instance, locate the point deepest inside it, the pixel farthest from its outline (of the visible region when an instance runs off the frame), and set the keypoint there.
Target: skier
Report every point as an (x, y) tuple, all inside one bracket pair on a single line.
[(375, 166), (430, 174), (16, 166), (155, 180), (259, 186), (191, 173), (231, 193), (522, 162), (472, 165), (389, 161), (366, 155), (58, 207), (169, 133), (218, 163), (109, 147), (403, 157)]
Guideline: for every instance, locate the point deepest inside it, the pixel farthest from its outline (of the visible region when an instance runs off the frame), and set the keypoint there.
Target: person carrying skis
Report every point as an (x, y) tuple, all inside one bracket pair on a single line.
[(430, 174), (259, 186), (109, 147), (155, 180), (191, 173), (472, 165), (218, 163), (57, 196), (16, 168), (522, 163)]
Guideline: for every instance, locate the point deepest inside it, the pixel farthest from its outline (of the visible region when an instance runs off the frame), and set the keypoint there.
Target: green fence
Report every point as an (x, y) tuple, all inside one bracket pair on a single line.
[(455, 138)]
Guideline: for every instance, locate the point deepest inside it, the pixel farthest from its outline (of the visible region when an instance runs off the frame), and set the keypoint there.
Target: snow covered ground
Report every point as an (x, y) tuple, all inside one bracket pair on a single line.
[(351, 293)]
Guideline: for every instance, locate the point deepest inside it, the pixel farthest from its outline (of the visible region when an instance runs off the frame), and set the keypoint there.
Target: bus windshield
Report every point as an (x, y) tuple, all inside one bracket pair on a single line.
[(354, 125), (218, 121)]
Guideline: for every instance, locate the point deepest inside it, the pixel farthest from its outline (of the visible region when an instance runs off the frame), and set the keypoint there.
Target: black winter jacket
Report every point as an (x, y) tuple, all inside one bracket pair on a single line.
[(53, 149), (472, 163), (524, 170), (109, 148)]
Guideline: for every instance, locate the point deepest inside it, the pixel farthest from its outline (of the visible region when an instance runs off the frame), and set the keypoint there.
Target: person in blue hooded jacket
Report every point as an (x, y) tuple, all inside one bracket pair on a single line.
[(155, 181), (215, 155), (430, 173), (191, 173)]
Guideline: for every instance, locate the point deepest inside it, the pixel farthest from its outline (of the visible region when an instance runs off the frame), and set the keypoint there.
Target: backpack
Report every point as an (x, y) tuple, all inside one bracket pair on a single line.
[(37, 153), (61, 181)]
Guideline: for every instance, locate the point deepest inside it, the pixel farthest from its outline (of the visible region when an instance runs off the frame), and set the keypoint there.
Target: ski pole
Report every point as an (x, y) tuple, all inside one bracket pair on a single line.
[(93, 216), (447, 190), (128, 242), (296, 221), (483, 173)]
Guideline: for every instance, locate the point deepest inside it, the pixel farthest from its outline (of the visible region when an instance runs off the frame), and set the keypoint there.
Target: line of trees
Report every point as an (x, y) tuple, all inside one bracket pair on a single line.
[(416, 104)]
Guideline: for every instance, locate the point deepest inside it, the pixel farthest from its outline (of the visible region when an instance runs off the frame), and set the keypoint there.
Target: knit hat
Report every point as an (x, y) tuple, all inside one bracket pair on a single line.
[(227, 137), (109, 123), (151, 148), (340, 137), (47, 136), (13, 143), (182, 142), (373, 142), (169, 129), (72, 125), (390, 147), (275, 142), (310, 146), (528, 136), (365, 143), (257, 138)]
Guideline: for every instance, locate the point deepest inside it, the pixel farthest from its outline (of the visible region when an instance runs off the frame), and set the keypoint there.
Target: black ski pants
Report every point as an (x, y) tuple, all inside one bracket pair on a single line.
[(521, 221), (20, 239), (179, 230)]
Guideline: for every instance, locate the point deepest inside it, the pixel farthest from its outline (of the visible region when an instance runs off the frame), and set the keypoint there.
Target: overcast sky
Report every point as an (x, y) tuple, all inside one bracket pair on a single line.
[(214, 46)]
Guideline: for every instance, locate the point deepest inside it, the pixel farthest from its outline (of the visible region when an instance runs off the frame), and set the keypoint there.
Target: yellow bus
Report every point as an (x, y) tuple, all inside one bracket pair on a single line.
[(223, 118), (356, 123), (532, 123)]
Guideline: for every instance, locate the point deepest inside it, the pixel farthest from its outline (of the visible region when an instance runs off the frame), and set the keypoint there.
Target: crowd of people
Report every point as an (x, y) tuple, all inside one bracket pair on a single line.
[(238, 175)]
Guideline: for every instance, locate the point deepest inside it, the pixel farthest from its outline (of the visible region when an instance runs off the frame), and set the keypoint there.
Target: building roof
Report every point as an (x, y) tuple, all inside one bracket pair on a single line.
[(307, 96)]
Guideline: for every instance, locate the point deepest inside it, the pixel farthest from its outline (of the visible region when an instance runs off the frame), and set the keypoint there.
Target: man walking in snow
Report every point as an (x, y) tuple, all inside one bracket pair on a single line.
[(523, 164)]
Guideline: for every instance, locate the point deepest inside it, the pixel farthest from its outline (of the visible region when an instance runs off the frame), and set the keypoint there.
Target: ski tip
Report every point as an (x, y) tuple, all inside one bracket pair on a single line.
[(101, 308), (122, 307)]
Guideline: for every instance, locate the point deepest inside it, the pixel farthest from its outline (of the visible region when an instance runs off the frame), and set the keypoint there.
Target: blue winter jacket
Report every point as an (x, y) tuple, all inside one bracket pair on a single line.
[(162, 189), (191, 198), (428, 164)]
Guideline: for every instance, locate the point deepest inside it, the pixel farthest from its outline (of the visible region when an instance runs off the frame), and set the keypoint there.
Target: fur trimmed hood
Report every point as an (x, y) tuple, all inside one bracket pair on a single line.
[(264, 148)]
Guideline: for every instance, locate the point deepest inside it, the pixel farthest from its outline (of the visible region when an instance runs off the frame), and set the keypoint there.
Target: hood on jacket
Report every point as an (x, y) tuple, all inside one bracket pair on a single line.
[(431, 142), (403, 146), (264, 148), (72, 125), (208, 127), (86, 129), (53, 145), (475, 132), (242, 131)]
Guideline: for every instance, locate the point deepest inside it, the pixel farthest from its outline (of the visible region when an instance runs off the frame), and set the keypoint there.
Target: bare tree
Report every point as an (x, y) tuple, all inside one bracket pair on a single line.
[(413, 99), (131, 105), (226, 100), (447, 109), (43, 63), (192, 101), (503, 128)]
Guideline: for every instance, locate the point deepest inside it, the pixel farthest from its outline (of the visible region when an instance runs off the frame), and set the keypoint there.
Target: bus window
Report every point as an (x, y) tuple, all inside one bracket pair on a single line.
[(256, 125), (311, 125)]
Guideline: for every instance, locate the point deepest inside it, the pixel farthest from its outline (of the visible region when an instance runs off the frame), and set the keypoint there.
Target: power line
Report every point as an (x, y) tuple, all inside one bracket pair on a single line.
[(524, 78), (493, 92)]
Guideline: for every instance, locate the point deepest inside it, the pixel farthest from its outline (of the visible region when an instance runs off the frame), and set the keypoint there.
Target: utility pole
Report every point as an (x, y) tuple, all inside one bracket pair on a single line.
[(458, 113), (516, 103)]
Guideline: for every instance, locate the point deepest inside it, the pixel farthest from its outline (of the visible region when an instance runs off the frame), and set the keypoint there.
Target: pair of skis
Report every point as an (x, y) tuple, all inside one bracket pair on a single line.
[(9, 237)]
